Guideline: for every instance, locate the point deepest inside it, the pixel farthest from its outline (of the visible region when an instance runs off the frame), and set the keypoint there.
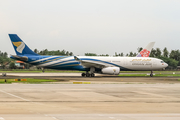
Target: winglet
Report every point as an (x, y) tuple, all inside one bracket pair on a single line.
[(76, 58), (145, 52), (19, 46)]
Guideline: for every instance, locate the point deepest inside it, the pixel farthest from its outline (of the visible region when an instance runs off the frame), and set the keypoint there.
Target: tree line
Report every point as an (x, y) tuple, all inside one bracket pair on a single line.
[(172, 58), (53, 52), (4, 59)]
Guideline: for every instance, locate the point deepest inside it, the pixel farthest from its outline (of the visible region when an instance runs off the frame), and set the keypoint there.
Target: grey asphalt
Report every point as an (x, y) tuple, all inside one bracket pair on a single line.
[(101, 101)]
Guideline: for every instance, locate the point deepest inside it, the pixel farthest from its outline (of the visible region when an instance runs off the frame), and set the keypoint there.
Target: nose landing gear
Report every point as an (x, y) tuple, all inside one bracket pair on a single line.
[(151, 74)]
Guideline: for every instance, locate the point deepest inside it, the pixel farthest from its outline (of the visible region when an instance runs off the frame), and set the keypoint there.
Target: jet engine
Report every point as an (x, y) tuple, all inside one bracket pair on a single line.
[(111, 70)]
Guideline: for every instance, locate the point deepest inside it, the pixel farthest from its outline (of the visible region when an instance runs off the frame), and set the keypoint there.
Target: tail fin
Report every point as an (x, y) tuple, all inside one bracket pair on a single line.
[(145, 52), (19, 46)]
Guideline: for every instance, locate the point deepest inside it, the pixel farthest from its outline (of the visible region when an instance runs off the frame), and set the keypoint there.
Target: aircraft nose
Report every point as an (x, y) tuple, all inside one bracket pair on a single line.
[(166, 64)]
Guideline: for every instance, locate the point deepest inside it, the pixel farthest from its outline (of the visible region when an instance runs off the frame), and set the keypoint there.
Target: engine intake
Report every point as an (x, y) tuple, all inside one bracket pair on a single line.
[(111, 70)]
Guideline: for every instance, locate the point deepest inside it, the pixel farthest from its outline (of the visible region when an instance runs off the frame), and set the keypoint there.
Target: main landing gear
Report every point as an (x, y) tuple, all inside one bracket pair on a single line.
[(43, 70), (151, 74), (88, 74)]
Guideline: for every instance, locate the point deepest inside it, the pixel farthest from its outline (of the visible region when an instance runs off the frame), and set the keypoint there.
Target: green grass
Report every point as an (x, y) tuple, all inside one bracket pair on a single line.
[(29, 81), (167, 75), (133, 75), (37, 71), (144, 75), (149, 72)]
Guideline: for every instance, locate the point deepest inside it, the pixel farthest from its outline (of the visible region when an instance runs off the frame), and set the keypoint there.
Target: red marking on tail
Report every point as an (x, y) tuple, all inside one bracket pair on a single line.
[(145, 53)]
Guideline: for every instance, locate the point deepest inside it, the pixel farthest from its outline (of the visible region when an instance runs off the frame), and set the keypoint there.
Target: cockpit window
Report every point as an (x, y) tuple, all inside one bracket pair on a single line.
[(162, 61)]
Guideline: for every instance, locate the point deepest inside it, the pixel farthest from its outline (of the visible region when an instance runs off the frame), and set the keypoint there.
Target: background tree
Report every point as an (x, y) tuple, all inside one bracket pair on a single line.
[(122, 54), (36, 51), (175, 54), (54, 52), (158, 52), (153, 53), (103, 55), (90, 54), (135, 54), (131, 54), (70, 54), (139, 49), (165, 52), (12, 65)]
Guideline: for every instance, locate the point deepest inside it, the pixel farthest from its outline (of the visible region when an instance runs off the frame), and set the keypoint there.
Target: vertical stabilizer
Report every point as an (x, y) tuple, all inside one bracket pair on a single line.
[(19, 46), (145, 52)]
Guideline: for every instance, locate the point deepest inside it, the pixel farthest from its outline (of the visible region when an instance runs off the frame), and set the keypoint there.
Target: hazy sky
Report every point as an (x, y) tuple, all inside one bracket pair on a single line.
[(93, 26)]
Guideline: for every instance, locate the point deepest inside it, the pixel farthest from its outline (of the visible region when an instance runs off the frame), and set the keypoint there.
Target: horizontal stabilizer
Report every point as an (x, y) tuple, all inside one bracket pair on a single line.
[(24, 58)]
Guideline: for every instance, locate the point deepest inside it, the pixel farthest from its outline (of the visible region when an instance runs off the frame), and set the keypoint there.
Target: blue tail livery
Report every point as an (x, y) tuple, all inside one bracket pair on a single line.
[(19, 46)]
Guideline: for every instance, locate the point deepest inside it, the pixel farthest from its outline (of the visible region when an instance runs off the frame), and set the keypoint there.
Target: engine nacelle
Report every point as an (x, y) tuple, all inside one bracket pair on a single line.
[(111, 70)]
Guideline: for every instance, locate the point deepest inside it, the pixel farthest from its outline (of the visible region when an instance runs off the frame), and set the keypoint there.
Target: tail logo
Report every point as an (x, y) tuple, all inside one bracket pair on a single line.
[(145, 53), (20, 46)]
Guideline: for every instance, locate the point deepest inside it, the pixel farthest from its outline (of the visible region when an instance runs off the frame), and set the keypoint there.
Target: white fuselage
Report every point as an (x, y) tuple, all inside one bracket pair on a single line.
[(128, 63)]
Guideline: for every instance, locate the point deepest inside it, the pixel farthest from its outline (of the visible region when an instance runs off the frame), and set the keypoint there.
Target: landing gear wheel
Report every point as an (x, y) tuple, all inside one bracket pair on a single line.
[(151, 75), (83, 74), (87, 75), (92, 74), (43, 70)]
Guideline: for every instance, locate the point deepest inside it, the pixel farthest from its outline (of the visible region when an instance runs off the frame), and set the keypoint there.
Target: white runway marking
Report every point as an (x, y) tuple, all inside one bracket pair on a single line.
[(50, 116), (54, 118), (14, 95), (152, 94), (111, 117)]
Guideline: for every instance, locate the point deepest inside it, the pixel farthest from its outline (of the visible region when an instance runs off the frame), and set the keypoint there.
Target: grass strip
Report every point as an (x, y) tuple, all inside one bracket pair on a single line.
[(144, 75), (37, 71), (29, 81)]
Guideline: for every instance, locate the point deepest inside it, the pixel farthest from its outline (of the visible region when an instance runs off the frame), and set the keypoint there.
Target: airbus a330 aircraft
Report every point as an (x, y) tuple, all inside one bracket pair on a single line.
[(104, 65)]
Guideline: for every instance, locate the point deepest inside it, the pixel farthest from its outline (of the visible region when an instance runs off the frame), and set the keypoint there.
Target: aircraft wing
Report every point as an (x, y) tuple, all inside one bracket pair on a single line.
[(88, 63)]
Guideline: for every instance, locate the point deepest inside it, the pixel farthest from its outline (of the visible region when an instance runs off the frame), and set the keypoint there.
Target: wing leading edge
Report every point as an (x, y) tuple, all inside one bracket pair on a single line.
[(88, 63)]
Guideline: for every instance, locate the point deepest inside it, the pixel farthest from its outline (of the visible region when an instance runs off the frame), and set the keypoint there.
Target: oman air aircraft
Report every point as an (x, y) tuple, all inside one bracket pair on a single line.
[(91, 65)]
